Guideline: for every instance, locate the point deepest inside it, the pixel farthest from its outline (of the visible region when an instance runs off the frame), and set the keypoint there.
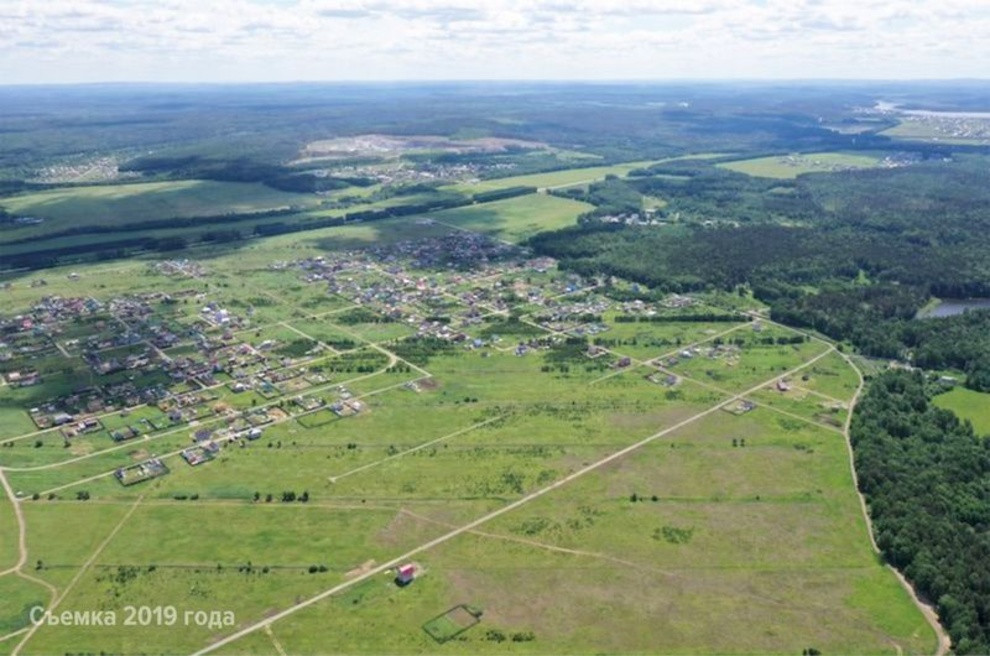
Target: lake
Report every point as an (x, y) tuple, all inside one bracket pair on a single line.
[(949, 307)]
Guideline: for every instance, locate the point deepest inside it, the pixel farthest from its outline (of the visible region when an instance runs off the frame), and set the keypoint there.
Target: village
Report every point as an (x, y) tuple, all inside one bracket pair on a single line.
[(152, 363)]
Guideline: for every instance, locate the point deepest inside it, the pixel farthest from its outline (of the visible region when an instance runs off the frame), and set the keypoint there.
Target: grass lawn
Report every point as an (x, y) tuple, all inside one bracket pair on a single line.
[(974, 406), (791, 166)]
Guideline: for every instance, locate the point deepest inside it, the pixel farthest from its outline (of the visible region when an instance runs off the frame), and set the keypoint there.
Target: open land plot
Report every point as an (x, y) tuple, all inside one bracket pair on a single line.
[(607, 414), (538, 600), (791, 166), (257, 307), (63, 534), (147, 201), (52, 448), (515, 219), (39, 477), (14, 420), (769, 501), (292, 291), (268, 569), (280, 341), (968, 404), (801, 403), (464, 473), (316, 453), (8, 534), (735, 367), (830, 377), (321, 329), (423, 198), (730, 528), (370, 331), (645, 341), (17, 597)]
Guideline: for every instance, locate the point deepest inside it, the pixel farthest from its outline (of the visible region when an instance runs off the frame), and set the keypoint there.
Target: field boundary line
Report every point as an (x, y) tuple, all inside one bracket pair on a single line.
[(82, 570), (275, 642), (418, 447)]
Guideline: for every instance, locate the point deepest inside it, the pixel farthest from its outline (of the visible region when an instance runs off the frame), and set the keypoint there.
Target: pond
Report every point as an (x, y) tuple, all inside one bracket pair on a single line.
[(949, 307)]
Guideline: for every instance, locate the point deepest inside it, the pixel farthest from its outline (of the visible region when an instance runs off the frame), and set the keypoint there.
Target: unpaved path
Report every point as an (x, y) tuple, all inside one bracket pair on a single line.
[(472, 525)]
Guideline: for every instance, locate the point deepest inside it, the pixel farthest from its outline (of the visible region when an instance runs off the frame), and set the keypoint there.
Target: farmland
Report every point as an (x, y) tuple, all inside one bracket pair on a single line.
[(411, 388)]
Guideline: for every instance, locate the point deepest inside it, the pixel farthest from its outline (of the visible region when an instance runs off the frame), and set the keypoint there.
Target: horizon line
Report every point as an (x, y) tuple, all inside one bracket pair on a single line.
[(496, 81)]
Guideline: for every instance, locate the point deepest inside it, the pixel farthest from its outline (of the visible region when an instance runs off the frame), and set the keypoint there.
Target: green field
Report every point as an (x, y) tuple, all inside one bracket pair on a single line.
[(566, 177), (717, 533), (551, 179), (515, 219), (124, 204), (967, 404), (791, 166)]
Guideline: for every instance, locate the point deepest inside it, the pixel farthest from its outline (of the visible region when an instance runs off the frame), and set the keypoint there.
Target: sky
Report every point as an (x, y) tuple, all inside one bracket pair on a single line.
[(81, 41)]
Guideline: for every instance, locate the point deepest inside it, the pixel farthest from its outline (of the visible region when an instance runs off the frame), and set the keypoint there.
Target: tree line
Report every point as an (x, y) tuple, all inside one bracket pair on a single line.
[(926, 478)]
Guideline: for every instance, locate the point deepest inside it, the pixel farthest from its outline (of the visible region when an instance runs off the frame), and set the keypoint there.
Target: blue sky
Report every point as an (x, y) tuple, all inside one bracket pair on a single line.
[(284, 40)]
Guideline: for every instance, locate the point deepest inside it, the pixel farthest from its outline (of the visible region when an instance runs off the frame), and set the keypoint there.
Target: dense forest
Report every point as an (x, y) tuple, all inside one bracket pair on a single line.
[(854, 254), (926, 478)]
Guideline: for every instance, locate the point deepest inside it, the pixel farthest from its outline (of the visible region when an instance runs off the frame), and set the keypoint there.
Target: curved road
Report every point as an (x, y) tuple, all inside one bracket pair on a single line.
[(944, 643)]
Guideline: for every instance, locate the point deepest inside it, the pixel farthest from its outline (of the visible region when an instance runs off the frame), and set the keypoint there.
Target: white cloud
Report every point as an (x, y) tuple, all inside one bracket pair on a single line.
[(235, 40)]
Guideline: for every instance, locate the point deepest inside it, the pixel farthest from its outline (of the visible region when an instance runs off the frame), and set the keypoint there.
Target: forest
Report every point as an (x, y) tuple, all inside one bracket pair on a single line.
[(853, 255), (926, 478)]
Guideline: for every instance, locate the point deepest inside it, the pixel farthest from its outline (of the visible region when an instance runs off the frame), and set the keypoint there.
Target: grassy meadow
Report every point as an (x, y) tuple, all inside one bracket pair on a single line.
[(970, 405), (515, 219)]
